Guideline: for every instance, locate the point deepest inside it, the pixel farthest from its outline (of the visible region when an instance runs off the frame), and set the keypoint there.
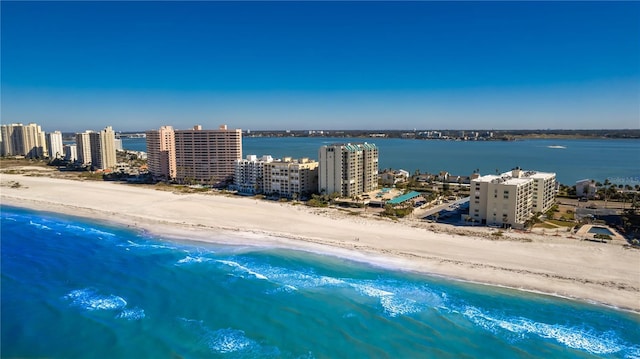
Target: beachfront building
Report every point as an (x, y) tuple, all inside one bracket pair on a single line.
[(249, 174), (54, 145), (291, 178), (83, 145), (348, 169), (391, 177), (70, 152), (103, 149), (207, 156), (586, 188), (510, 199), (161, 153), (17, 139)]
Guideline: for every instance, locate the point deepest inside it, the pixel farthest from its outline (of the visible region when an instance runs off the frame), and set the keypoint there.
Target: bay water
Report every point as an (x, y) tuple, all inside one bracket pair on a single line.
[(75, 288), (571, 159)]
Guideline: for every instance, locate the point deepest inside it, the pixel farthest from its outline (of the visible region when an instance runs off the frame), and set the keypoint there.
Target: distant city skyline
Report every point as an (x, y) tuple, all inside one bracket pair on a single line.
[(72, 66)]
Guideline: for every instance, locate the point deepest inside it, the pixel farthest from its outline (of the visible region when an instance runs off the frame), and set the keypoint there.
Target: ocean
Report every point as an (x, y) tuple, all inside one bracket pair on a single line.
[(571, 159), (76, 288)]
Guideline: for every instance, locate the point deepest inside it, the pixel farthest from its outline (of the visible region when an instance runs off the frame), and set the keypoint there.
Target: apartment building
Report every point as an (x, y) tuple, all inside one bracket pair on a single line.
[(348, 169), (291, 177), (54, 145), (71, 152), (83, 147), (103, 149), (17, 139), (510, 199), (161, 152), (249, 174), (207, 156)]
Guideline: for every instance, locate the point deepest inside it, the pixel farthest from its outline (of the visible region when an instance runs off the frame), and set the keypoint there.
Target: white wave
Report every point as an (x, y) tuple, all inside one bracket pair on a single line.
[(557, 147), (399, 299), (99, 232), (89, 299), (38, 225), (228, 341), (572, 337), (132, 244), (242, 268), (131, 314), (189, 259), (71, 226)]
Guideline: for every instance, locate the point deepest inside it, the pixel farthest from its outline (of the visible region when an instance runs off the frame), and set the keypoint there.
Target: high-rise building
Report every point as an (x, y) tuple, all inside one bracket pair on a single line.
[(510, 199), (71, 152), (249, 174), (23, 140), (290, 178), (207, 156), (54, 144), (83, 146), (348, 169), (161, 152), (103, 149)]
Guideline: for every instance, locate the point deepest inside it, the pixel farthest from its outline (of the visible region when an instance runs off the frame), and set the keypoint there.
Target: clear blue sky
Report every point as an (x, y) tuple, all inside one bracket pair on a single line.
[(321, 65)]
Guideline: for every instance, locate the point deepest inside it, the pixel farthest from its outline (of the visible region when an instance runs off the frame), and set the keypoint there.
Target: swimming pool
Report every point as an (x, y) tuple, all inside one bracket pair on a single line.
[(600, 230)]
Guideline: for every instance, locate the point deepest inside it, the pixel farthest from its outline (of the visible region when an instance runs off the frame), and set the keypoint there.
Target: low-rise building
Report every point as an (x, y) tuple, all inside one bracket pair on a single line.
[(291, 177), (510, 199), (586, 188), (392, 177)]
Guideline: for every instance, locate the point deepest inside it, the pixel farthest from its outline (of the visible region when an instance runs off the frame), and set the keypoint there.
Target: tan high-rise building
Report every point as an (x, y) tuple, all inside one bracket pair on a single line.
[(348, 169), (510, 199), (290, 178), (207, 156), (23, 140), (103, 148), (83, 147), (161, 152)]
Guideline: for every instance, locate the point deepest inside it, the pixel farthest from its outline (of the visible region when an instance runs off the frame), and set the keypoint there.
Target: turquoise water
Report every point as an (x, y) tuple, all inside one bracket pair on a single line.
[(74, 288), (600, 230), (571, 160)]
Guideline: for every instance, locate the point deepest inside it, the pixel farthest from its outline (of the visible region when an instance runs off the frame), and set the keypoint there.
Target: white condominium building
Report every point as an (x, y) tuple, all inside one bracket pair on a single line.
[(161, 152), (249, 174), (103, 148), (290, 178), (510, 199), (17, 139), (348, 169), (83, 146), (71, 152), (207, 156), (54, 144)]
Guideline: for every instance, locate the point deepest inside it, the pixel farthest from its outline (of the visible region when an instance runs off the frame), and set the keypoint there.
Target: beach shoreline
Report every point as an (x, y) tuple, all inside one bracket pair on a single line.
[(607, 274)]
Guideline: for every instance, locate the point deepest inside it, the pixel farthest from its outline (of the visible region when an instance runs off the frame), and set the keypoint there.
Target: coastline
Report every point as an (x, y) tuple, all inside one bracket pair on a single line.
[(607, 274)]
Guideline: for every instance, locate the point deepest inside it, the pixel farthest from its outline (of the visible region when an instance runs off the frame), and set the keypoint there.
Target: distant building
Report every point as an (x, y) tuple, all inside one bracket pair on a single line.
[(17, 139), (161, 152), (510, 199), (391, 177), (71, 153), (249, 174), (117, 142), (54, 145), (586, 188), (348, 169), (290, 178), (83, 143), (207, 156), (103, 150)]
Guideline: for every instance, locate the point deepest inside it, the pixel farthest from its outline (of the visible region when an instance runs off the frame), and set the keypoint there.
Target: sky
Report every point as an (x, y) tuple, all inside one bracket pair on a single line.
[(136, 66)]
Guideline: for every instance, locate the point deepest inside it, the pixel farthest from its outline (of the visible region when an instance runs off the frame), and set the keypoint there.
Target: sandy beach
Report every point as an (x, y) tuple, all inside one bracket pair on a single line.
[(605, 273)]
